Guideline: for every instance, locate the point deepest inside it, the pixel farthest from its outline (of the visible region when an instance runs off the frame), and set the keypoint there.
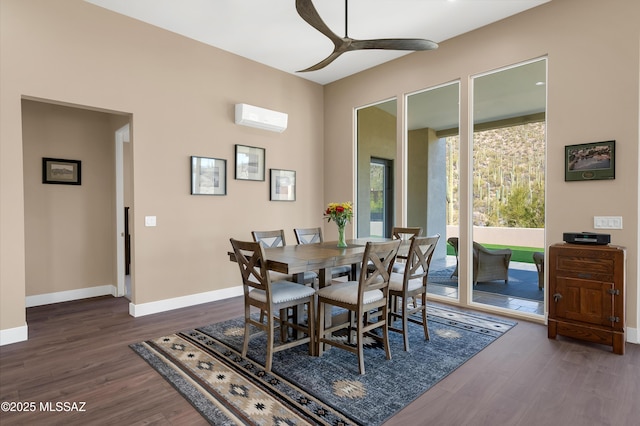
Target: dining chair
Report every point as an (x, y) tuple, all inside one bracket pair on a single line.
[(366, 300), (270, 298), (408, 291), (314, 235), (403, 234), (276, 238)]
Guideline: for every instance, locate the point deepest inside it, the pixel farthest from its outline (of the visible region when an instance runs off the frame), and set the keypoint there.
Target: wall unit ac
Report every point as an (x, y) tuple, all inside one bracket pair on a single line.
[(262, 118)]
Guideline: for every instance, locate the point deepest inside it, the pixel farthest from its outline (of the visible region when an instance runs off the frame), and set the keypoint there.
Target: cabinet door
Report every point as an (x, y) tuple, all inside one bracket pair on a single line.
[(584, 300)]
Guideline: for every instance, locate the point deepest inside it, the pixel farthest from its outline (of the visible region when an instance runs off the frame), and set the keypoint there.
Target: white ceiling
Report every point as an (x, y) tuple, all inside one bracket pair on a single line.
[(272, 33)]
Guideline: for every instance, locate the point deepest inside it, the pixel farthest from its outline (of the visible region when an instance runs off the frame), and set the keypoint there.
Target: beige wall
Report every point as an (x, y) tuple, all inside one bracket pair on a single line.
[(181, 96), (592, 50)]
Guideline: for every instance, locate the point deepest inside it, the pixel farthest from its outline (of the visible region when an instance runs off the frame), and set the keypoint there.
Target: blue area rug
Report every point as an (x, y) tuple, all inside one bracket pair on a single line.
[(522, 283), (205, 366)]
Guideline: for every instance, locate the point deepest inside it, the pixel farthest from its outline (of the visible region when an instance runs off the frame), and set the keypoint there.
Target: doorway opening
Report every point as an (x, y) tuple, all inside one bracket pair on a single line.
[(381, 197)]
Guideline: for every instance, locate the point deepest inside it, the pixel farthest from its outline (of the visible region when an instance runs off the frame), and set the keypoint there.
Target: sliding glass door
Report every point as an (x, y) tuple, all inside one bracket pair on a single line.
[(509, 139), (433, 203)]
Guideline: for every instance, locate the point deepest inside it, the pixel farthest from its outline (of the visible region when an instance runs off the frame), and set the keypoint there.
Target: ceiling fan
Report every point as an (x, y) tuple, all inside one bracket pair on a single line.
[(308, 12)]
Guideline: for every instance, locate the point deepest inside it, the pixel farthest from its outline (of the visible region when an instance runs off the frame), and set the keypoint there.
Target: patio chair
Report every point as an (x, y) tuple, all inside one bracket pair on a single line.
[(538, 259), (488, 265)]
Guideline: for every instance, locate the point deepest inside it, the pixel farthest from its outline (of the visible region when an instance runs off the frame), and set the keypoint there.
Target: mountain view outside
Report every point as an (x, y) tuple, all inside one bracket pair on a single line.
[(508, 179)]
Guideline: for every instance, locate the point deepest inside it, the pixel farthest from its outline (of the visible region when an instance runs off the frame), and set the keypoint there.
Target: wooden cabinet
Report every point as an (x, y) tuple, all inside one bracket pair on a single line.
[(587, 293)]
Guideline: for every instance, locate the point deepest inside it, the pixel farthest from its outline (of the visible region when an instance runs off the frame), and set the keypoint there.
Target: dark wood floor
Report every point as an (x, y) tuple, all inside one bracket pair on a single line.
[(78, 352)]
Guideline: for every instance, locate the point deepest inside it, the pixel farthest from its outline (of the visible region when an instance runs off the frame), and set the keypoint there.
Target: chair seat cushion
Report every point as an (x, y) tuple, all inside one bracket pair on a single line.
[(347, 292), (341, 270), (398, 268), (396, 282), (283, 291), (310, 276)]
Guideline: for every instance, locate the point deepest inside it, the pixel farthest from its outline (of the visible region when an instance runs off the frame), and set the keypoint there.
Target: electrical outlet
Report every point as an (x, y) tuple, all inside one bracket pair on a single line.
[(607, 222), (149, 221)]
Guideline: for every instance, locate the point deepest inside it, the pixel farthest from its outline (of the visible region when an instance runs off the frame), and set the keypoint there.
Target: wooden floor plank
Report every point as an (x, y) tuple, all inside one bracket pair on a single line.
[(78, 352)]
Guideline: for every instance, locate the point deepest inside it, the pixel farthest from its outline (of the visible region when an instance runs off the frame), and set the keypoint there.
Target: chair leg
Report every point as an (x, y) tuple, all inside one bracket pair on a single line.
[(311, 319), (320, 327), (385, 332), (425, 324), (359, 339), (247, 329), (270, 337), (405, 320)]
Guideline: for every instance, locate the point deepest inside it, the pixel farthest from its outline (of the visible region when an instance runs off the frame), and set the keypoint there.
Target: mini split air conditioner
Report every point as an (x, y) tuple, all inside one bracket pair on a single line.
[(253, 116)]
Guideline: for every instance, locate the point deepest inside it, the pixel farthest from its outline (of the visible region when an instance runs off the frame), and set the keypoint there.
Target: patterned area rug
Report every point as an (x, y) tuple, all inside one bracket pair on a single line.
[(205, 366)]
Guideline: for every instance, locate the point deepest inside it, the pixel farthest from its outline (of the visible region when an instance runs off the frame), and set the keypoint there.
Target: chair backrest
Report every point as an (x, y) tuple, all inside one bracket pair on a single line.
[(269, 238), (454, 243), (250, 258), (405, 234), (379, 257), (419, 257), (308, 235)]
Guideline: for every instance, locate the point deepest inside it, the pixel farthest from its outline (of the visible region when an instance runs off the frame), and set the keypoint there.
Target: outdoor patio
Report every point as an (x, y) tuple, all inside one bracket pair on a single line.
[(521, 275)]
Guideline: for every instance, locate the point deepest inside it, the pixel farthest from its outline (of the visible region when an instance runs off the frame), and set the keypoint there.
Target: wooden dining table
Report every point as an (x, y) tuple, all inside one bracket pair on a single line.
[(295, 260), (321, 257)]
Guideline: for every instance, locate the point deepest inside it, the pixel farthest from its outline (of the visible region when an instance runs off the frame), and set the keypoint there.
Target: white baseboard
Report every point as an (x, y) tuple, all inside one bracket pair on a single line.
[(68, 295), (14, 335), (143, 309), (633, 336)]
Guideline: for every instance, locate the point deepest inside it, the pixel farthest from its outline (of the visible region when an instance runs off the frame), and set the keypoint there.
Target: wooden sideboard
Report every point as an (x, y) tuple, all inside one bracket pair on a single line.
[(587, 293)]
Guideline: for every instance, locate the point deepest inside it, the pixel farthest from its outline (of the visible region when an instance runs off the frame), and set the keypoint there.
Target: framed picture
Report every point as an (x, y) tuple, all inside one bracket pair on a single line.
[(283, 185), (249, 163), (590, 161), (208, 176), (62, 172)]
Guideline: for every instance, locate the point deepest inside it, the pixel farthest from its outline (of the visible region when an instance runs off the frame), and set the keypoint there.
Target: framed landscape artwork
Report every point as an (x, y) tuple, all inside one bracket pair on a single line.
[(249, 163), (208, 176), (283, 185), (61, 172), (590, 161)]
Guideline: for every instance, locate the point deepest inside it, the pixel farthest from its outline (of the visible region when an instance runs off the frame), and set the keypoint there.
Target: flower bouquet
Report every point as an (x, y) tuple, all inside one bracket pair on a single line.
[(340, 213)]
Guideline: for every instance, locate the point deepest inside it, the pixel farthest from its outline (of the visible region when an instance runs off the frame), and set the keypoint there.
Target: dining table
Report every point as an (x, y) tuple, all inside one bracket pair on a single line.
[(295, 260)]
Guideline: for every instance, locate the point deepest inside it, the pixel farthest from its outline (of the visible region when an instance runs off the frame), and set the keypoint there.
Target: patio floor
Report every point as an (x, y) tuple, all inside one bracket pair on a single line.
[(492, 299)]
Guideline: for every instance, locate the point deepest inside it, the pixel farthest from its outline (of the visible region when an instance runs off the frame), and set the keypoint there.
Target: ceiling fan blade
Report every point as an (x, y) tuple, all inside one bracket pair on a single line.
[(334, 55), (394, 44), (308, 12)]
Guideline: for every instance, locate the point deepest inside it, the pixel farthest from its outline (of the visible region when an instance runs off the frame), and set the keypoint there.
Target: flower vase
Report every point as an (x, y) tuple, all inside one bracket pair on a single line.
[(341, 242)]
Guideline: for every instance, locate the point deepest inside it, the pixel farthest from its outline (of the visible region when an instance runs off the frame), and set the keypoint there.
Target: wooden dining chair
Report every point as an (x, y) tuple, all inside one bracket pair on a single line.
[(408, 291), (403, 234), (276, 238), (271, 298), (365, 299), (314, 235)]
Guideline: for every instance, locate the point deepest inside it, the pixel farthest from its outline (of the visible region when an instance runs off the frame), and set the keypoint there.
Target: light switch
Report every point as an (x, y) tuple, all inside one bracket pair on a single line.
[(607, 222), (149, 221)]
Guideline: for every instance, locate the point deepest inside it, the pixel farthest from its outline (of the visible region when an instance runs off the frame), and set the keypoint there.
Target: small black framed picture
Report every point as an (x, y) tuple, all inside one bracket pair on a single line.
[(590, 161), (61, 172), (283, 185), (208, 176), (250, 163)]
